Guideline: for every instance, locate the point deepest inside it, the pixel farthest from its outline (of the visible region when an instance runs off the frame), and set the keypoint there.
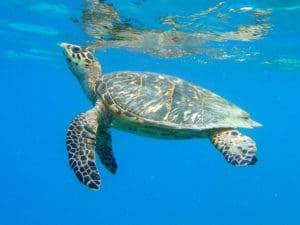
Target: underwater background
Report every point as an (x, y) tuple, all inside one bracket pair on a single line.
[(245, 51)]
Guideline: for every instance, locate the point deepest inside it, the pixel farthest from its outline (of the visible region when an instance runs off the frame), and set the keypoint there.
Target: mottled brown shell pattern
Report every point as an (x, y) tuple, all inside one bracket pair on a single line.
[(165, 100)]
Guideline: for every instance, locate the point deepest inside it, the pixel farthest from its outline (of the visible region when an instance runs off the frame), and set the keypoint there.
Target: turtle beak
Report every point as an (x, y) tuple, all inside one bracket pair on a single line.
[(66, 49), (64, 45)]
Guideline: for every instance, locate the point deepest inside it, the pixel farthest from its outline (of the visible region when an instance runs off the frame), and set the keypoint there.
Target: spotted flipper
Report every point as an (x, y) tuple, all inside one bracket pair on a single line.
[(238, 149), (104, 149), (81, 144)]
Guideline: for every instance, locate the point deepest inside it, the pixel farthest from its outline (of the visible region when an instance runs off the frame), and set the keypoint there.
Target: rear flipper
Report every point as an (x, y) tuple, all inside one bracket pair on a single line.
[(238, 149)]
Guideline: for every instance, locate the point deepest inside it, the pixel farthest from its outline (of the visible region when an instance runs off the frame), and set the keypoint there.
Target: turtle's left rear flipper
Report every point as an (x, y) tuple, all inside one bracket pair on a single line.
[(238, 149)]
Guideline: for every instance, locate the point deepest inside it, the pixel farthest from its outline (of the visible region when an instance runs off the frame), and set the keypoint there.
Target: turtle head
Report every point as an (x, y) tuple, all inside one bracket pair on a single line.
[(81, 60), (84, 66)]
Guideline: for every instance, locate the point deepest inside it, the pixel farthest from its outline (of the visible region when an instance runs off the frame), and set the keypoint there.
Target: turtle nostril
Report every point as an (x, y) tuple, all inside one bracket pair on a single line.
[(76, 49)]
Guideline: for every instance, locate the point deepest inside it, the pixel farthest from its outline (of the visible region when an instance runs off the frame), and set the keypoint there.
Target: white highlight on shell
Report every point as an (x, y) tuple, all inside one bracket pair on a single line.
[(154, 108)]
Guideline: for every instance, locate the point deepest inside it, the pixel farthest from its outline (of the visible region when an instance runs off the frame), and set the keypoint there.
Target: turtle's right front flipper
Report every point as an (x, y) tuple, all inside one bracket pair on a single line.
[(81, 144)]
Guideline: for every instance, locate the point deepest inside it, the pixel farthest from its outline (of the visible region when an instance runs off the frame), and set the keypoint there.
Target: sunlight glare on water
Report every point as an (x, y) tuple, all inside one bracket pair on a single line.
[(177, 31)]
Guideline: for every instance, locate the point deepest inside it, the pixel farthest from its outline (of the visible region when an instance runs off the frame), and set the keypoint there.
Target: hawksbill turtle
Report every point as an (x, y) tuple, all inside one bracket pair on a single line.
[(149, 104)]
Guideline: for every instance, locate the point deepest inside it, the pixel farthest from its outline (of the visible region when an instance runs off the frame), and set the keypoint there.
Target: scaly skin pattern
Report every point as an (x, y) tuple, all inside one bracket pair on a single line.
[(149, 104), (238, 149), (81, 144)]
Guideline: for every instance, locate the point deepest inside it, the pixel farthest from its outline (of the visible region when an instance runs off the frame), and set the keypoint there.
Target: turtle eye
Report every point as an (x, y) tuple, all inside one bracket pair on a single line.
[(75, 49)]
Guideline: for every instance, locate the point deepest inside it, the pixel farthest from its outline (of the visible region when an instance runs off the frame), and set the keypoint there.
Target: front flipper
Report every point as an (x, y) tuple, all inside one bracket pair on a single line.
[(238, 149), (104, 149), (81, 144)]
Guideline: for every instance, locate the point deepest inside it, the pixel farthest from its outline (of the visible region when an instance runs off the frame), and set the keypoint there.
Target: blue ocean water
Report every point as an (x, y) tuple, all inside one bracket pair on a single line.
[(158, 181)]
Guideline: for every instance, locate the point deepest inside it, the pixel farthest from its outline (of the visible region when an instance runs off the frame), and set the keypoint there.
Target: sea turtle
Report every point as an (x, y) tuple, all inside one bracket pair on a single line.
[(149, 104)]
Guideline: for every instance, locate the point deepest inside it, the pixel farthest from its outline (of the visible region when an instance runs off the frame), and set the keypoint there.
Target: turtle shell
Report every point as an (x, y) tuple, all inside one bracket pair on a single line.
[(163, 100)]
